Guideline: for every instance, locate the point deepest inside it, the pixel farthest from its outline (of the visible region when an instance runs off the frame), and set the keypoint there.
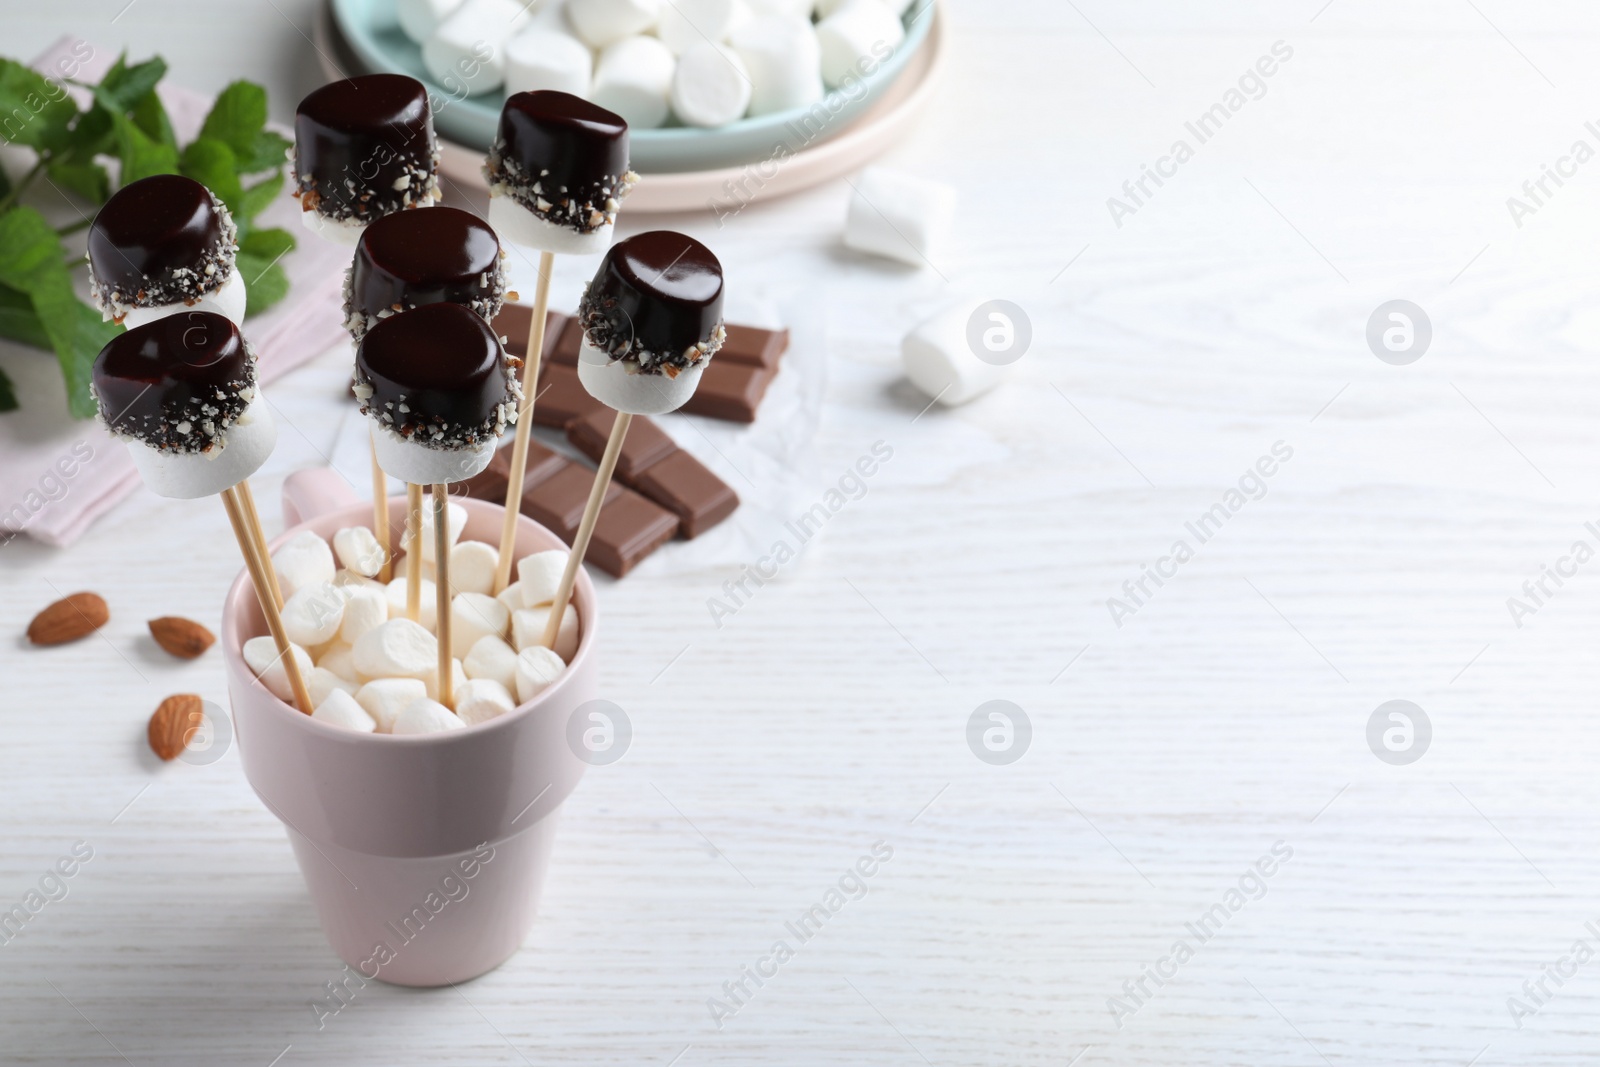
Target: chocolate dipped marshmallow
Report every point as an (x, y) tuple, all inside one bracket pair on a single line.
[(413, 258), (363, 148), (181, 393), (558, 172), (652, 320), (440, 390), (162, 245)]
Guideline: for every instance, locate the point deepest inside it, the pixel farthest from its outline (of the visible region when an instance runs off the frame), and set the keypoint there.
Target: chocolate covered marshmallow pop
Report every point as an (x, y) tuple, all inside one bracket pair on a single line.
[(181, 393), (363, 148), (557, 171), (412, 258), (162, 245), (652, 320), (440, 391)]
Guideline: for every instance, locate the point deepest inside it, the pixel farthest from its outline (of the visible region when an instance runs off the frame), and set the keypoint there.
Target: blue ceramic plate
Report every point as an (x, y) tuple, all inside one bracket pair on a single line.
[(370, 29)]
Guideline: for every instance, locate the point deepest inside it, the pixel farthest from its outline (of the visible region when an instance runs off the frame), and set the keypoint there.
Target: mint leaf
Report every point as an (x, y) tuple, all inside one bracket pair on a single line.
[(265, 282), (150, 115), (29, 249), (237, 116), (5, 183), (34, 110), (123, 86), (88, 180), (92, 136), (267, 244), (268, 151), (141, 155), (8, 395), (211, 164), (18, 321), (255, 199)]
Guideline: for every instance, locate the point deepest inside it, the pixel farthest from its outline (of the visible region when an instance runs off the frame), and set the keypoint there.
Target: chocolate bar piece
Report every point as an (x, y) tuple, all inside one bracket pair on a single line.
[(567, 345), (753, 345), (731, 391), (512, 324), (558, 500), (561, 397), (687, 487), (645, 444), (490, 484), (629, 529)]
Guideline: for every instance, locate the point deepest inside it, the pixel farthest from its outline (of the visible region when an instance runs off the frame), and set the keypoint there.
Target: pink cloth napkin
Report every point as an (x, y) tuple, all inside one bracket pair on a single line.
[(59, 474)]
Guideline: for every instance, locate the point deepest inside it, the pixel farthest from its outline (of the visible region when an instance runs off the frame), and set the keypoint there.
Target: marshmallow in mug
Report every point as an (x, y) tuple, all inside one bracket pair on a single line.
[(603, 22), (783, 60), (652, 320), (711, 86), (856, 38), (557, 172), (465, 52), (163, 245), (633, 78), (181, 393)]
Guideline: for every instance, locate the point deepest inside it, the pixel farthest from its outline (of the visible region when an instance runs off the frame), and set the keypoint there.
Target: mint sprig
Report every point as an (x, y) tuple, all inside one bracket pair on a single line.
[(124, 134)]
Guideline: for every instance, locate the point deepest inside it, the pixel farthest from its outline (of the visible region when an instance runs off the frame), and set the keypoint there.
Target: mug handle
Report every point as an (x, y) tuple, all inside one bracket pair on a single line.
[(312, 493)]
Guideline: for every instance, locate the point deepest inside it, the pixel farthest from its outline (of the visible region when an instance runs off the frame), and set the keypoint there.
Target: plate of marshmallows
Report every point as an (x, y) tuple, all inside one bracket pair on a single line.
[(703, 84)]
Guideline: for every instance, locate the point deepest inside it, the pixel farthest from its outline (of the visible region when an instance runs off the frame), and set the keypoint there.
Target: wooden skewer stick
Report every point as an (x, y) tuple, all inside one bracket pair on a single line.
[(519, 447), (441, 581), (259, 566), (591, 514), (414, 552), (252, 518), (380, 514)]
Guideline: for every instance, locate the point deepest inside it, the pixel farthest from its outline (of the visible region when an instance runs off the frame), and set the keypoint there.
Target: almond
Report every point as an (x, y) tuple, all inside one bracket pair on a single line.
[(74, 617), (174, 723), (184, 638)]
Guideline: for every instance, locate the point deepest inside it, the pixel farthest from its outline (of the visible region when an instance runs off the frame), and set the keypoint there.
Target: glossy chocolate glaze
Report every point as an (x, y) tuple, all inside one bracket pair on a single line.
[(562, 158), (177, 383), (436, 375), (160, 240), (412, 258), (656, 301), (364, 147)]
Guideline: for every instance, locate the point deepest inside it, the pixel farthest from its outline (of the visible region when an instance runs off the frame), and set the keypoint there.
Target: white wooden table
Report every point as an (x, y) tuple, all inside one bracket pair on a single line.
[(1167, 755)]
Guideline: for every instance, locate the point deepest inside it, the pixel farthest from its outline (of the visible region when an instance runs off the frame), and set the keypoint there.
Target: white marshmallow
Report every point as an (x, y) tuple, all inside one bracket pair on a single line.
[(261, 656), (472, 567), (539, 576), (799, 8), (514, 223), (190, 475), (824, 8), (527, 630), (428, 613), (689, 22), (544, 59), (466, 51), (322, 682), (341, 709), (228, 301), (855, 40), (742, 14), (939, 358), (474, 616), (458, 678), (483, 699), (419, 18), (491, 659), (358, 550), (426, 717), (312, 616), (634, 79), (899, 216), (385, 698), (511, 597), (783, 60), (339, 231), (642, 394), (340, 660), (603, 22), (398, 648), (537, 668), (710, 88), (418, 464), (455, 521), (303, 561), (349, 581), (364, 610)]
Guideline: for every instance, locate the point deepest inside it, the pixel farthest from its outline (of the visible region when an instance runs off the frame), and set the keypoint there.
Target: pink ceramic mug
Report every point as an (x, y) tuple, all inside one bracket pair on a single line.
[(425, 855)]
